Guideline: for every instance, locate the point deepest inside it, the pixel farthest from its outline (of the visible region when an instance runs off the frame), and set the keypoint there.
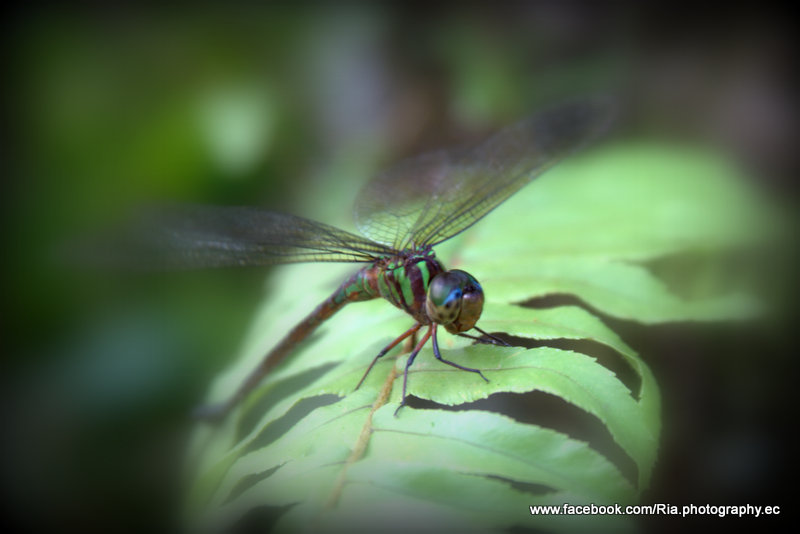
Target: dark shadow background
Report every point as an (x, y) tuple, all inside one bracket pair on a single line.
[(111, 105)]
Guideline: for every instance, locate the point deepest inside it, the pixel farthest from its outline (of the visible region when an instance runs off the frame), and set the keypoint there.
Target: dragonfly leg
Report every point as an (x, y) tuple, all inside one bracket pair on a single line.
[(410, 342), (410, 361), (490, 336), (438, 356), (410, 332), (493, 340)]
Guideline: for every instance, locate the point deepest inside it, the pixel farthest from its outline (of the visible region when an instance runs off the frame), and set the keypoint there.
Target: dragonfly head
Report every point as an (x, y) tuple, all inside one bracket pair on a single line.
[(455, 300)]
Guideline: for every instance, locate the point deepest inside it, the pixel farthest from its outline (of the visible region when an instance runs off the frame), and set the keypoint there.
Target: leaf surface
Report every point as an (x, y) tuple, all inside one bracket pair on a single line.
[(589, 229)]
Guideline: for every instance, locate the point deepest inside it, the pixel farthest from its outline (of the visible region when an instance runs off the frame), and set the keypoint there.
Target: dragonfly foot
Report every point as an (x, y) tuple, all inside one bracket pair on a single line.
[(438, 355), (492, 340)]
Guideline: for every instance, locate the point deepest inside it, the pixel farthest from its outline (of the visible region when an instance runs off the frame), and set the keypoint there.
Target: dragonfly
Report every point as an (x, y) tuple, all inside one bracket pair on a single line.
[(403, 213)]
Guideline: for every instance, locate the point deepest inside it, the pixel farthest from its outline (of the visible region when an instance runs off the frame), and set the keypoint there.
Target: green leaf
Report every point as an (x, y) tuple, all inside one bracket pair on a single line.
[(590, 229)]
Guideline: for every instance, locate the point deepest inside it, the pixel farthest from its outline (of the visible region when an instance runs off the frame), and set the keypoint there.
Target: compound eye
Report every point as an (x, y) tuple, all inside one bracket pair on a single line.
[(455, 300), (443, 304), (471, 308)]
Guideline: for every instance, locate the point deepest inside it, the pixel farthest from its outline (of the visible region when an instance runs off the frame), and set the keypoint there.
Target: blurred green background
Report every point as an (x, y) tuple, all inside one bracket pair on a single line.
[(293, 108)]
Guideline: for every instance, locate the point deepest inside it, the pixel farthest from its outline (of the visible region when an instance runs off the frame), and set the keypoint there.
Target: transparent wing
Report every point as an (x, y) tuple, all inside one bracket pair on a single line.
[(190, 236), (429, 198)]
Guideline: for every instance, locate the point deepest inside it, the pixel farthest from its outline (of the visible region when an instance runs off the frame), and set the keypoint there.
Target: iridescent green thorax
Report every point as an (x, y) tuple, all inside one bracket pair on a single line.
[(403, 280), (417, 283)]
